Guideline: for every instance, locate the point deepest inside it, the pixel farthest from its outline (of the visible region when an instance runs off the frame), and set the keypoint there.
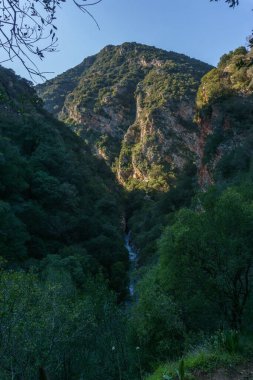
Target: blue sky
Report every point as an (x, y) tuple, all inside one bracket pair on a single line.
[(198, 28)]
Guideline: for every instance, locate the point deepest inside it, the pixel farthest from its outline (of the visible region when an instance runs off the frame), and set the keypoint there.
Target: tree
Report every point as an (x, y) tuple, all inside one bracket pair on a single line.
[(49, 327), (27, 29), (13, 235), (207, 259), (156, 325)]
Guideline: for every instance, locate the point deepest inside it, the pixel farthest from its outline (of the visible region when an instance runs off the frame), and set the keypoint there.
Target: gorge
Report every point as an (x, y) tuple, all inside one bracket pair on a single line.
[(135, 136)]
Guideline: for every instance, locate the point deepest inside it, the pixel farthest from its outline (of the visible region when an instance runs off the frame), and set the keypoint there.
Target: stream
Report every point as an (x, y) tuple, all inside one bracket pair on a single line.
[(133, 257)]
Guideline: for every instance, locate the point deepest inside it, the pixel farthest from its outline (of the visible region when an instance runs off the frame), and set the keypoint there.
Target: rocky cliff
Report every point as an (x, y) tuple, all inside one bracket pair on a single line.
[(135, 105), (149, 113)]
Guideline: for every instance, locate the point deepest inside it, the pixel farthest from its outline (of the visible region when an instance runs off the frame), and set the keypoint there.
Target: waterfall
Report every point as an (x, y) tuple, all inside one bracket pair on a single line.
[(133, 256)]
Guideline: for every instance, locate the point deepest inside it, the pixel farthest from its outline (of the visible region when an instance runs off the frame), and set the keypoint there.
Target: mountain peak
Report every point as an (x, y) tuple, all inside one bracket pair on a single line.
[(124, 97)]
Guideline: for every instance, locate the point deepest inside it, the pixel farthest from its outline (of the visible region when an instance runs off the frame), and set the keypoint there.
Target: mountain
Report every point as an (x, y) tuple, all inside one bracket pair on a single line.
[(225, 117), (57, 199), (222, 144), (161, 121), (134, 104), (151, 121)]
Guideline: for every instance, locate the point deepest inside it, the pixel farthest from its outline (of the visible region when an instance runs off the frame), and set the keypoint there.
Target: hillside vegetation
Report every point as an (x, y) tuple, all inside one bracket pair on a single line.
[(151, 144), (134, 104)]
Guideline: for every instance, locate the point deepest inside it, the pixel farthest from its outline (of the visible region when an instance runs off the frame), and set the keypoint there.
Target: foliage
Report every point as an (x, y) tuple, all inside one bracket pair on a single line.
[(228, 341), (202, 359), (49, 325), (55, 194), (181, 370), (62, 217), (201, 282), (224, 114), (206, 259), (233, 75), (63, 84), (157, 324), (149, 212), (110, 98)]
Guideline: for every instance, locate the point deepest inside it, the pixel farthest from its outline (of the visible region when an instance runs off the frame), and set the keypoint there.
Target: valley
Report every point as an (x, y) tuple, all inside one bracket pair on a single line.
[(127, 180)]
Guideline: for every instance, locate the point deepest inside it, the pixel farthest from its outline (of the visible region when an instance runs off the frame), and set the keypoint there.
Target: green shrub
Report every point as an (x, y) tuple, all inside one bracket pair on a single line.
[(228, 341)]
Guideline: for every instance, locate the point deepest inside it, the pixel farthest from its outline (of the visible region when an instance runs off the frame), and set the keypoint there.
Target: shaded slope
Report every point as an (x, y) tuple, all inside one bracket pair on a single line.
[(56, 198)]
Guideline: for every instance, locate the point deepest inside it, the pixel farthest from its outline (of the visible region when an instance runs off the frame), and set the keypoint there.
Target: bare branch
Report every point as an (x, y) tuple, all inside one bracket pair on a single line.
[(231, 3), (27, 30)]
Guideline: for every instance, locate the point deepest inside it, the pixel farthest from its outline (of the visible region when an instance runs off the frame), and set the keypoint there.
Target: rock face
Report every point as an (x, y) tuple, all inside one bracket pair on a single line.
[(135, 105), (158, 144), (148, 114)]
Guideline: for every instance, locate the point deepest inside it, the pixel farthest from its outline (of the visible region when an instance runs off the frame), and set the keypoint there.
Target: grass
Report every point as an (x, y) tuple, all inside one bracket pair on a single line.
[(206, 358)]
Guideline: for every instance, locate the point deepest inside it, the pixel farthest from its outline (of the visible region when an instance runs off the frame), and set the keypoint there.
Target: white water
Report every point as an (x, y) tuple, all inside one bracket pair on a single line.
[(133, 256)]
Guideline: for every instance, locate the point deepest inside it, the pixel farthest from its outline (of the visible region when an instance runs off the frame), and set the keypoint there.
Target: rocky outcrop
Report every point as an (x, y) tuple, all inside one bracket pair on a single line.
[(148, 113), (225, 119), (134, 104), (158, 146)]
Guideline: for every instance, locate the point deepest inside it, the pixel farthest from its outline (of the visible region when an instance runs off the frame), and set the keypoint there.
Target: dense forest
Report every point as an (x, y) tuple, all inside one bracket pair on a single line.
[(134, 143)]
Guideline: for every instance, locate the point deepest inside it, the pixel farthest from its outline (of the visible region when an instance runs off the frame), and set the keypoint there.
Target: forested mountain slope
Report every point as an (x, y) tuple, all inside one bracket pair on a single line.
[(134, 104), (61, 247), (164, 153), (225, 117), (160, 124), (202, 276), (56, 197)]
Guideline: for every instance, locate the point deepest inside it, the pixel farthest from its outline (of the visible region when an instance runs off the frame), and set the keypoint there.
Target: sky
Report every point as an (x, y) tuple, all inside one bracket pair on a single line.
[(199, 28)]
